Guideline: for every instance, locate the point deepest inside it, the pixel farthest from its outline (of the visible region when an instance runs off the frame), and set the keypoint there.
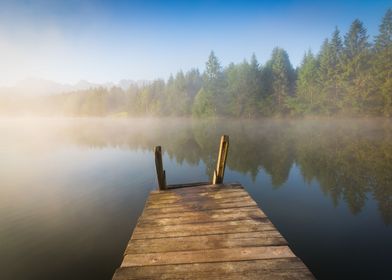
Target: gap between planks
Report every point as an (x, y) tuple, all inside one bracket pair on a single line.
[(271, 269), (210, 227), (202, 242), (220, 215)]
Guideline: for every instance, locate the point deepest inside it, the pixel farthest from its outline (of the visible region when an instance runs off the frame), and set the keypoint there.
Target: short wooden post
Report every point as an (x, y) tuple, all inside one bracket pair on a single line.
[(161, 175), (219, 172)]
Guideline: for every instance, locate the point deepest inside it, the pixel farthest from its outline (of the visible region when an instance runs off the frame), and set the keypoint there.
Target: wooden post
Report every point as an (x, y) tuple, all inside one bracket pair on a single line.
[(161, 175), (219, 172)]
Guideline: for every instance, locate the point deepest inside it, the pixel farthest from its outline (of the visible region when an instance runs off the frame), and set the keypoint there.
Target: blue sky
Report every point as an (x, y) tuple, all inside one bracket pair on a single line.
[(103, 41)]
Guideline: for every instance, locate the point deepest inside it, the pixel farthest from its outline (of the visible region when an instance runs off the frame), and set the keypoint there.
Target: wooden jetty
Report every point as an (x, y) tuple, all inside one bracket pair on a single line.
[(206, 231)]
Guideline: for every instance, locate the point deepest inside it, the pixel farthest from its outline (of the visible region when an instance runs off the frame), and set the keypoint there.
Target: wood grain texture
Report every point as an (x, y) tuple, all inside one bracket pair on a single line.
[(271, 269), (201, 201), (212, 255), (190, 207), (147, 231), (204, 242), (175, 198), (207, 232), (219, 215)]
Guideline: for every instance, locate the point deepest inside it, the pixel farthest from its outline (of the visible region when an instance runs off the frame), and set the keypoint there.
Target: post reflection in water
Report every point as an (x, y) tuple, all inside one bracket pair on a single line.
[(349, 159), (326, 184)]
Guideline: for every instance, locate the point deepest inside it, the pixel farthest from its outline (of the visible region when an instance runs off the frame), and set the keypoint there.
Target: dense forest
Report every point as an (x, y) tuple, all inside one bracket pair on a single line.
[(350, 75)]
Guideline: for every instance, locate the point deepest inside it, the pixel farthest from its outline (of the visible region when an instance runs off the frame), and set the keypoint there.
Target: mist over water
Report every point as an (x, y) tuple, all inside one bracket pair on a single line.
[(72, 189)]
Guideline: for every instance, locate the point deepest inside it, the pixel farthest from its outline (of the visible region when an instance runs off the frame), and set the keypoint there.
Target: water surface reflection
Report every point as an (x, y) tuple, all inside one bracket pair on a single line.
[(349, 159), (71, 190)]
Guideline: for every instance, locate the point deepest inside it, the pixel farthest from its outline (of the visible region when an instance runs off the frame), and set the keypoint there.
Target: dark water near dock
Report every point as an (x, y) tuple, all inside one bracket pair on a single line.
[(72, 190)]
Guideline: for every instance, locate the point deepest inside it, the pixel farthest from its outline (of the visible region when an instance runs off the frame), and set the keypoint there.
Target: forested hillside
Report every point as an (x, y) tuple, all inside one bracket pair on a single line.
[(350, 75)]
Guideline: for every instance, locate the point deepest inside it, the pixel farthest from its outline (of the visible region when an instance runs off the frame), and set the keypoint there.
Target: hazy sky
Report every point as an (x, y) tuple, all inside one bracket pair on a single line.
[(102, 41)]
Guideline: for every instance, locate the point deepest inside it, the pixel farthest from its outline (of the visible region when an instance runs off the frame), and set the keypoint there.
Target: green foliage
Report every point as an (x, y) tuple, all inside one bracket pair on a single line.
[(330, 75), (213, 70), (349, 77), (243, 89), (355, 65), (351, 159), (356, 40), (307, 99), (382, 67), (283, 79), (203, 105), (178, 101), (214, 84)]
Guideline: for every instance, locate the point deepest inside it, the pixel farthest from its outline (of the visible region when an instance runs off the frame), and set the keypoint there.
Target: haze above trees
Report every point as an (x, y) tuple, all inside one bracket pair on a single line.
[(350, 75)]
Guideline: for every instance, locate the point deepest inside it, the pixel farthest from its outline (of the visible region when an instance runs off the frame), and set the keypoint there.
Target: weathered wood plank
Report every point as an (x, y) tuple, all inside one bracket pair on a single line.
[(300, 274), (202, 207), (203, 242), (146, 227), (271, 269), (202, 201), (195, 196), (148, 231), (219, 215), (214, 255), (207, 232)]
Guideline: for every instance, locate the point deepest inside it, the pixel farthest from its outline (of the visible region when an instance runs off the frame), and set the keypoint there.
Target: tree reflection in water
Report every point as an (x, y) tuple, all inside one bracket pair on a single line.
[(351, 159)]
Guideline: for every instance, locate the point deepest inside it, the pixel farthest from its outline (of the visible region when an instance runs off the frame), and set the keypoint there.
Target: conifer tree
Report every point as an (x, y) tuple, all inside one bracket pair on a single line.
[(255, 87), (384, 38), (243, 88), (382, 66), (213, 69), (350, 77), (307, 85), (213, 86), (194, 82), (355, 65), (283, 78), (203, 105), (330, 73), (179, 98)]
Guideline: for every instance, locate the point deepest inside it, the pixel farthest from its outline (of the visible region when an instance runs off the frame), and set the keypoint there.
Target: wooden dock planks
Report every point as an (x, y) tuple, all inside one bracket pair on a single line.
[(207, 232)]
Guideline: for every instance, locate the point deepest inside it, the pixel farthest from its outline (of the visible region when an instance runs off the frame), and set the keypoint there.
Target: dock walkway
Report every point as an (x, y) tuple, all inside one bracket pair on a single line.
[(214, 231)]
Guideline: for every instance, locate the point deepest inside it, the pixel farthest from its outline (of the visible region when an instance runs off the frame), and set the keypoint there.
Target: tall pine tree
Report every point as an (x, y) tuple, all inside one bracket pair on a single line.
[(356, 68), (382, 66), (243, 88), (213, 86), (283, 78), (330, 73), (307, 99)]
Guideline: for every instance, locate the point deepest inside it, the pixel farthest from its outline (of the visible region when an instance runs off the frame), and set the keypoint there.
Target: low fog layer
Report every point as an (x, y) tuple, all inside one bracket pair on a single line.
[(349, 158), (350, 75)]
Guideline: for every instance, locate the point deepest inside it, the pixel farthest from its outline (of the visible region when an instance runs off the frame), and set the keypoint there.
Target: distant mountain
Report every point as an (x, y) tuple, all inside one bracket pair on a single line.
[(37, 87), (33, 86), (124, 84)]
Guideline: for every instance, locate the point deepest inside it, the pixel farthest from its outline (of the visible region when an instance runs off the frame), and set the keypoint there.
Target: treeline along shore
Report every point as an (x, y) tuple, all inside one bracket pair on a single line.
[(351, 75)]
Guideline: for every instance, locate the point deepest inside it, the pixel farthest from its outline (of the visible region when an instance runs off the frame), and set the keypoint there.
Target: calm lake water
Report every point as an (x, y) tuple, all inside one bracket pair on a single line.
[(71, 190)]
